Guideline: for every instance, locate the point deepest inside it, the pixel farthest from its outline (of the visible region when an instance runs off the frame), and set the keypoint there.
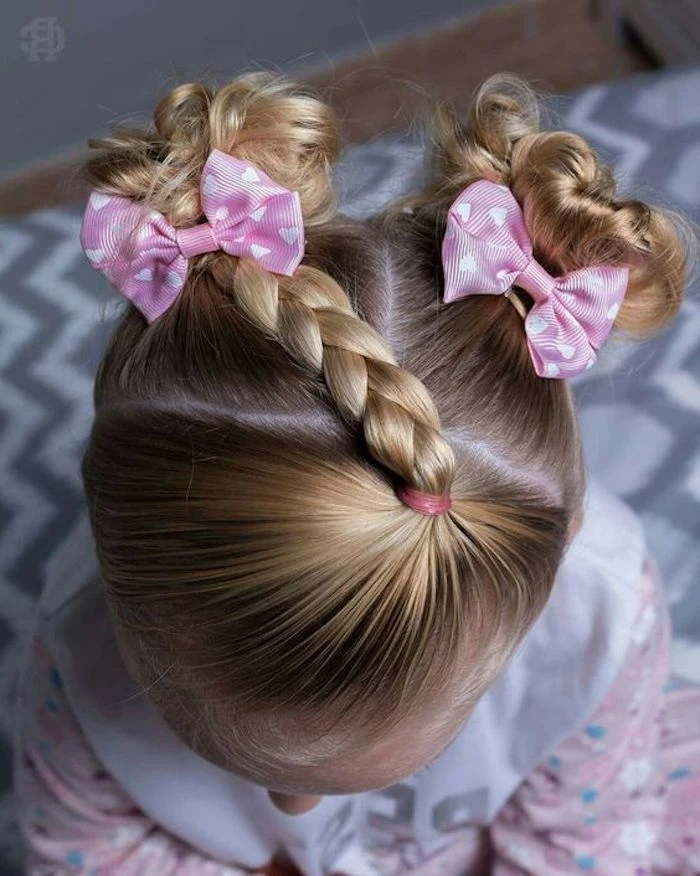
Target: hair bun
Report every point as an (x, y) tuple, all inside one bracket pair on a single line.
[(276, 125)]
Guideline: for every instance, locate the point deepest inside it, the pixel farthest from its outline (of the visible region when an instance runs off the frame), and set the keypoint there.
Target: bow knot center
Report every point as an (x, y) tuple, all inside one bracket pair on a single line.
[(196, 240), (536, 281)]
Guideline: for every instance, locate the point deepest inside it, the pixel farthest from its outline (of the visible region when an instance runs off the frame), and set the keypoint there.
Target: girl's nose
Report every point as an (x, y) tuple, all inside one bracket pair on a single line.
[(293, 804)]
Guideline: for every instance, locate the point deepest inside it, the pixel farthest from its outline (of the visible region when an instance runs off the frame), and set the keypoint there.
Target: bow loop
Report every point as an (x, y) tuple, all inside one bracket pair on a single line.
[(486, 245), (250, 215), (136, 249), (487, 250)]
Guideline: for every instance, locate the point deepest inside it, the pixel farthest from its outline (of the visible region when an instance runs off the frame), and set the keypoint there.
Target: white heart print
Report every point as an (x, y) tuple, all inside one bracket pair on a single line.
[(258, 251), (289, 235), (95, 255), (467, 263), (535, 325), (257, 215), (249, 175), (566, 350), (144, 274), (613, 311), (464, 210), (552, 370), (173, 279), (595, 279), (211, 186), (221, 213), (98, 200), (590, 364), (498, 214)]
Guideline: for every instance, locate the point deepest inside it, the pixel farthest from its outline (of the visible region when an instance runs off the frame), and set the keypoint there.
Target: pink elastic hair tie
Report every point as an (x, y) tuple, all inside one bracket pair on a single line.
[(424, 503)]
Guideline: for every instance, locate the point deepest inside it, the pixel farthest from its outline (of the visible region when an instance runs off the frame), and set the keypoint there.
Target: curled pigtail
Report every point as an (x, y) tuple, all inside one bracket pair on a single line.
[(575, 218)]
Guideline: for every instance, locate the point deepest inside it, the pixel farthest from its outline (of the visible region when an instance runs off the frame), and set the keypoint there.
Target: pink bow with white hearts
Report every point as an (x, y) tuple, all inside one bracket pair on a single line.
[(487, 250), (146, 259)]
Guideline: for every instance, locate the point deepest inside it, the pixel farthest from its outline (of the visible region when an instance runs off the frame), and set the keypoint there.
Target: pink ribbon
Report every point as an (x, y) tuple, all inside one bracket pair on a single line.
[(487, 250), (145, 258)]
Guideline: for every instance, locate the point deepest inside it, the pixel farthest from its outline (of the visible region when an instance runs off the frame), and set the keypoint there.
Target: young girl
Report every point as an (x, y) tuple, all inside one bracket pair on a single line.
[(345, 602)]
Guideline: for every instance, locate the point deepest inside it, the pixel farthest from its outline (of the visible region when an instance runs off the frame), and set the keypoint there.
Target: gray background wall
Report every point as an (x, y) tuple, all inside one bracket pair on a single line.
[(120, 55)]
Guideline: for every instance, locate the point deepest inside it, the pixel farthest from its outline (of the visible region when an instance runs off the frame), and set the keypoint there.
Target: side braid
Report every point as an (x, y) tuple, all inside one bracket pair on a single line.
[(282, 128), (312, 318)]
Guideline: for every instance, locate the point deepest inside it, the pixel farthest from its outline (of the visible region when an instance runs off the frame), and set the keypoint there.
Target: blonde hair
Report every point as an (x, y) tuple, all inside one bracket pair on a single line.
[(242, 467)]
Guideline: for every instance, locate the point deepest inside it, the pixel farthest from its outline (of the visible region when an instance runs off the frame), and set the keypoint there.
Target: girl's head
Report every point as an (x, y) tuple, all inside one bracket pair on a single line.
[(292, 619)]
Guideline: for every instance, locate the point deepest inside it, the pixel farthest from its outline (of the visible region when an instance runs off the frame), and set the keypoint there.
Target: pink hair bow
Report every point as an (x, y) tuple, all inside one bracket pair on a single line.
[(145, 258), (487, 250)]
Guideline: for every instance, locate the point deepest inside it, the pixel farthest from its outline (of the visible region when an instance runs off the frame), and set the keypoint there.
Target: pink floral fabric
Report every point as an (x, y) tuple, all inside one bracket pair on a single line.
[(75, 818), (621, 797)]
